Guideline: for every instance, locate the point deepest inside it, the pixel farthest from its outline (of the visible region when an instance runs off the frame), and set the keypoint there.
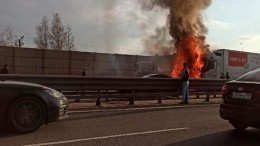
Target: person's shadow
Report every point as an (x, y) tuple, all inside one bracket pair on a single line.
[(250, 137)]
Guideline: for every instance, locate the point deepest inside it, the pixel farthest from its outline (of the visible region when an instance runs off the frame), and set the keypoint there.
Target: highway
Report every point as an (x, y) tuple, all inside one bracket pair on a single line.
[(187, 125)]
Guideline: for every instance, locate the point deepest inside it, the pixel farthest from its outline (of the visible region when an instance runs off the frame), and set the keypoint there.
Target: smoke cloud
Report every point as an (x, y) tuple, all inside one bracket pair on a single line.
[(109, 21), (184, 17), (158, 43), (185, 24)]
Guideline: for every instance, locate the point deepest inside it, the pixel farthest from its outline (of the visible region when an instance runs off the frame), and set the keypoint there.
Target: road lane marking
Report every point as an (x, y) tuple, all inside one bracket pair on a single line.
[(139, 108), (106, 137)]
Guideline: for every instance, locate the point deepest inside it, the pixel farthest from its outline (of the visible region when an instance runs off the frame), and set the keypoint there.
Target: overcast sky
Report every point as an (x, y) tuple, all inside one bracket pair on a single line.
[(118, 26)]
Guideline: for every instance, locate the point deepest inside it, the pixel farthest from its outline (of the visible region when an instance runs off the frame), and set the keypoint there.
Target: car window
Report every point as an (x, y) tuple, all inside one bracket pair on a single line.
[(251, 76)]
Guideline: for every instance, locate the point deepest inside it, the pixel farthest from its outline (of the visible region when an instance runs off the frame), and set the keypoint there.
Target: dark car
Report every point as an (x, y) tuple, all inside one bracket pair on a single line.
[(24, 107), (156, 76), (241, 101)]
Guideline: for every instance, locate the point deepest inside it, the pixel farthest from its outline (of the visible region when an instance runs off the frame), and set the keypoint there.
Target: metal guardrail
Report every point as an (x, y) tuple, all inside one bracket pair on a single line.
[(78, 87)]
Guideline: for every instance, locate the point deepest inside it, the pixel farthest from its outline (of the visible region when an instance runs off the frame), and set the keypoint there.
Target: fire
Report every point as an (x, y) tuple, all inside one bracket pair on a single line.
[(190, 51)]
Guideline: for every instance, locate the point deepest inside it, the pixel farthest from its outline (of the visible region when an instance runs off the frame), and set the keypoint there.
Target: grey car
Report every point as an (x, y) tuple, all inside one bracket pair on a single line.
[(24, 107)]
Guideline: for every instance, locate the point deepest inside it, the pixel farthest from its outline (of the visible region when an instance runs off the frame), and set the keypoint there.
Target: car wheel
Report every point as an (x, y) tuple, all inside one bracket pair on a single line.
[(26, 114), (239, 125)]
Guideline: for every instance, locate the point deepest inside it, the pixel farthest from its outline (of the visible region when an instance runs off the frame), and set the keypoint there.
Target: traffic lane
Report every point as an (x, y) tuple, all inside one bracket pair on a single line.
[(224, 138), (192, 117), (205, 130), (95, 124), (201, 121), (116, 122)]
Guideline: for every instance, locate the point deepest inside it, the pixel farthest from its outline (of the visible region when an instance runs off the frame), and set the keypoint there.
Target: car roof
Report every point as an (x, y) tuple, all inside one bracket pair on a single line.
[(156, 76), (253, 76)]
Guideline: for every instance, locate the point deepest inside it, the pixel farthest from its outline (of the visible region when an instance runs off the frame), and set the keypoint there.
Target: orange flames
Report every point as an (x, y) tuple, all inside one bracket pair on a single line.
[(190, 50)]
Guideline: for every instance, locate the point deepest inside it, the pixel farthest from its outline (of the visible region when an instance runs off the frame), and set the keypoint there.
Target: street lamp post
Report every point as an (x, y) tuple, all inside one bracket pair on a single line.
[(242, 46)]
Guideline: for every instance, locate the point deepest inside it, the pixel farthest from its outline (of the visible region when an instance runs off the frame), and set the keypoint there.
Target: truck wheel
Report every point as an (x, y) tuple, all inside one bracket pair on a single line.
[(26, 114), (241, 126)]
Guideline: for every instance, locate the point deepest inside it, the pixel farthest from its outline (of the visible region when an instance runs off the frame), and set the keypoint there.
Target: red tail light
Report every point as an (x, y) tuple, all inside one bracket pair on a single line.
[(225, 91)]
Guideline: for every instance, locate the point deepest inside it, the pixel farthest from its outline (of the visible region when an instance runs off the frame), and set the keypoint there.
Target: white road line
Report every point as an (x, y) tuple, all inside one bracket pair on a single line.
[(140, 108), (106, 137)]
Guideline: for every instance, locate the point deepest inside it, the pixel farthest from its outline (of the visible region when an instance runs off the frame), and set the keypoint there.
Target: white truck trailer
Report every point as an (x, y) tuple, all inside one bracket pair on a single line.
[(236, 63)]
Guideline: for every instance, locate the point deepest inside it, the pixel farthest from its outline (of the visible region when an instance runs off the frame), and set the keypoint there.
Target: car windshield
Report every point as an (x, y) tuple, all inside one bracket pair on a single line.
[(251, 76)]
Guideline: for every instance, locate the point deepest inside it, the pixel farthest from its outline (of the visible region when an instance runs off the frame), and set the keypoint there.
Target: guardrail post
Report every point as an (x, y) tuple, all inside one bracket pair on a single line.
[(98, 103), (77, 99), (208, 94), (132, 99), (107, 97), (207, 98), (178, 94), (197, 94), (214, 95), (159, 97)]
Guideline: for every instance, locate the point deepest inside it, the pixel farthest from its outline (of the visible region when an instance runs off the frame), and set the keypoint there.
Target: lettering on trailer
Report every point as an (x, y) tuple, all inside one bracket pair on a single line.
[(237, 59)]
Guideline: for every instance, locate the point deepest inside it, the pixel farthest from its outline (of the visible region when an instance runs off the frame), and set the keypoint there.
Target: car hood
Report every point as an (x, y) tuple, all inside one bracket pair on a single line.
[(19, 83)]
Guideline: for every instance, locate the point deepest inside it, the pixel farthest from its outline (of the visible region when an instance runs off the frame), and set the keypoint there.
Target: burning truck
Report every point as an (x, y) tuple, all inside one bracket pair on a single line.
[(185, 24), (188, 32)]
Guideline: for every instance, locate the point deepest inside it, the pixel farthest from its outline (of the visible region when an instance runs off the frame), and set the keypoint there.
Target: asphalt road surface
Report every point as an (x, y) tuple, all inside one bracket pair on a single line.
[(153, 126)]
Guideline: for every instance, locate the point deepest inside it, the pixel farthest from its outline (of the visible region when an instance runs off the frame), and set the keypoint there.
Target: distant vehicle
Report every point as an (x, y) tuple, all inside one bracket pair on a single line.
[(156, 76), (127, 91), (236, 63), (24, 107), (143, 68), (241, 101)]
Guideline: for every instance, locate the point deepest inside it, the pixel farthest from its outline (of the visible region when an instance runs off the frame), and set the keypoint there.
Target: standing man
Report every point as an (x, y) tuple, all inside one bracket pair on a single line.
[(185, 84), (83, 73), (227, 75), (222, 76), (4, 70)]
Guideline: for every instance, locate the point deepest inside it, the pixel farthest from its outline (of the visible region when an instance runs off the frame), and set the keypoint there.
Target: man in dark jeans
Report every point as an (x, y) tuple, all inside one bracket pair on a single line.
[(185, 84), (83, 73)]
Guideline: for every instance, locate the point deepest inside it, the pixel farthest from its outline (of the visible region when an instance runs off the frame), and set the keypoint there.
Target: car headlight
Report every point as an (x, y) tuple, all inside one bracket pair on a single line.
[(54, 93)]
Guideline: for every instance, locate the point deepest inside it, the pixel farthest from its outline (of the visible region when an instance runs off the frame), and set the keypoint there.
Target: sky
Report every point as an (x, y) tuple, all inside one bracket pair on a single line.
[(119, 26)]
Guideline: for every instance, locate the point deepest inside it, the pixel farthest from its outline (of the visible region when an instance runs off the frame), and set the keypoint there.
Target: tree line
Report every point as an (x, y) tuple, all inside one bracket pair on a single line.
[(48, 35)]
